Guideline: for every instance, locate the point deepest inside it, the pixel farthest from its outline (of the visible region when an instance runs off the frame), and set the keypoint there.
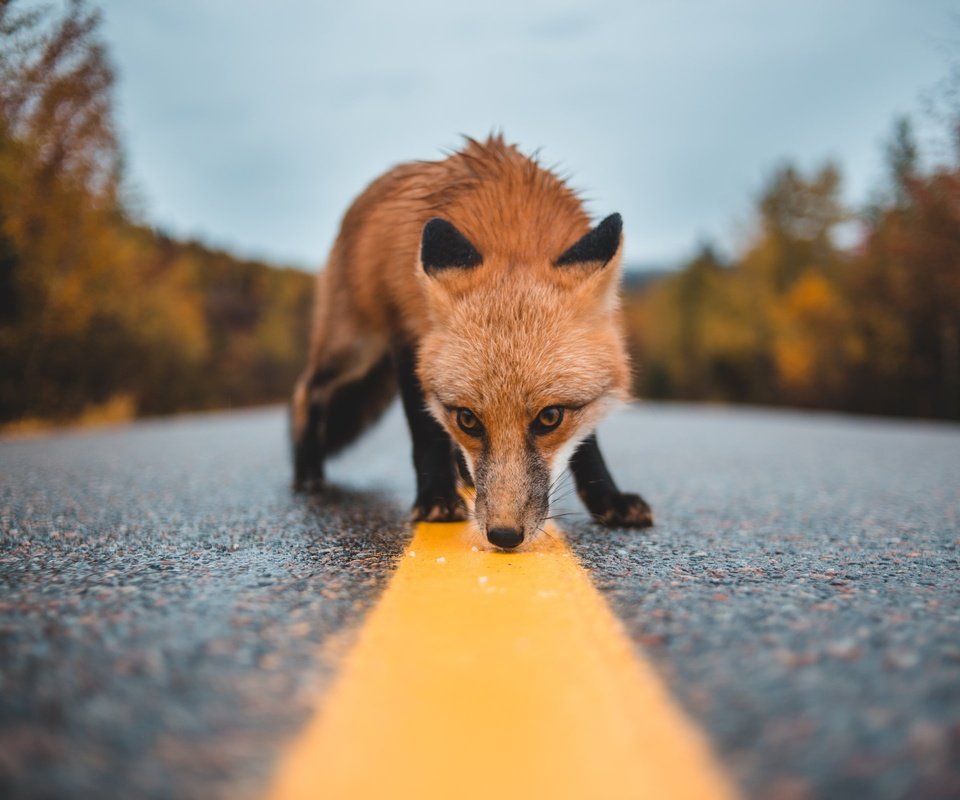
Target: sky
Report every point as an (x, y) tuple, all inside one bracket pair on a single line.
[(252, 125)]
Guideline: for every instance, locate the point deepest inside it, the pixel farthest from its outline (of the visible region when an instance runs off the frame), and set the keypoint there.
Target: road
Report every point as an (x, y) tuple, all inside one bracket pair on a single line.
[(168, 608)]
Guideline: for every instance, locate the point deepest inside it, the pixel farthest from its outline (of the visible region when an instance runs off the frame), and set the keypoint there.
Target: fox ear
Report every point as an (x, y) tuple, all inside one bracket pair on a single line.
[(442, 247), (598, 247)]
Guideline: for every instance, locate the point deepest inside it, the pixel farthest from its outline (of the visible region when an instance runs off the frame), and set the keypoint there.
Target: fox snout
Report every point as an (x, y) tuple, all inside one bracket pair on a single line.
[(512, 497), (506, 538)]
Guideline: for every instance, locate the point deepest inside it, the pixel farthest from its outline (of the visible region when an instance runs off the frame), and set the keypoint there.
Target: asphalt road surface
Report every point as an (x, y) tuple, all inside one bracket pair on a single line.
[(164, 596)]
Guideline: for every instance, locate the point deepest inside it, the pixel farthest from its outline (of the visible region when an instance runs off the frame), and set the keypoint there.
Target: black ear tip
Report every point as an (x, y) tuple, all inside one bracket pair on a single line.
[(442, 246), (598, 246), (435, 230), (613, 223), (436, 225)]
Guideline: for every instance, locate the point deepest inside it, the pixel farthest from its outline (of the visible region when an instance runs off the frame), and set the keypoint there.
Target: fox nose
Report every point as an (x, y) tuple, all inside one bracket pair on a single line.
[(505, 537)]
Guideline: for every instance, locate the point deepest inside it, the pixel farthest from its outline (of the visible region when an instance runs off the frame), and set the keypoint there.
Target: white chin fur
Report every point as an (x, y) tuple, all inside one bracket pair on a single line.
[(562, 459), (470, 468)]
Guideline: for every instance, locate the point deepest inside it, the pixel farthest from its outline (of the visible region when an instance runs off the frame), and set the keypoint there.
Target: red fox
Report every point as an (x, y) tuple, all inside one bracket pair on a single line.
[(477, 286)]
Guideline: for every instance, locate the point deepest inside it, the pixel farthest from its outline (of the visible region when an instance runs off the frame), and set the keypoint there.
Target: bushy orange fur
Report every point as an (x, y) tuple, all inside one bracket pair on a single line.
[(505, 339)]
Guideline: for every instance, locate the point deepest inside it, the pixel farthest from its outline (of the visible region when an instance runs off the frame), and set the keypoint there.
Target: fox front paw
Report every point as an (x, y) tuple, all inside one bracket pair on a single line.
[(621, 510), (439, 509)]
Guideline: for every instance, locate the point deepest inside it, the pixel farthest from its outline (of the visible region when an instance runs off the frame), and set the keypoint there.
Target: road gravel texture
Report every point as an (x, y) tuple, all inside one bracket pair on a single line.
[(168, 607), (163, 597), (800, 592)]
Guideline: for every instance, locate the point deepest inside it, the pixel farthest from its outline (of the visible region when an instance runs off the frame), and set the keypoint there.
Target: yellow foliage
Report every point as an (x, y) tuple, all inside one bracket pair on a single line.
[(114, 410), (796, 362), (812, 298), (814, 342)]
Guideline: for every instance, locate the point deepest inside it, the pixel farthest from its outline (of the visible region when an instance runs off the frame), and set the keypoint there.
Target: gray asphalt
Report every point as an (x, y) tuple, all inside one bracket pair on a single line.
[(164, 596)]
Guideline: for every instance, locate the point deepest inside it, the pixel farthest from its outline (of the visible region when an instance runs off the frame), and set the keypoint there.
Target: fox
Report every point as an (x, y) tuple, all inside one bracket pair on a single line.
[(476, 287)]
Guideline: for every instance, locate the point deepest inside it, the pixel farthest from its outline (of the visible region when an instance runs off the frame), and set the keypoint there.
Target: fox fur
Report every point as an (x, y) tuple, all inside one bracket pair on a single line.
[(476, 286)]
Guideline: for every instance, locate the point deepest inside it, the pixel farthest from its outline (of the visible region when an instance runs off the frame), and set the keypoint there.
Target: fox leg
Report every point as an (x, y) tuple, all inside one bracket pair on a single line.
[(308, 426), (332, 405), (433, 450), (600, 494)]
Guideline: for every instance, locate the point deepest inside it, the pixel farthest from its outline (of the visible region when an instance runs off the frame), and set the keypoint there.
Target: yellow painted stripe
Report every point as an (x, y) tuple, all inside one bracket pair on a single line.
[(495, 675)]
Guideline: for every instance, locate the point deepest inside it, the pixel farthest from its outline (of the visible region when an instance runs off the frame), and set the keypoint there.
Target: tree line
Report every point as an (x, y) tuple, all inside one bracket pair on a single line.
[(95, 308), (796, 319)]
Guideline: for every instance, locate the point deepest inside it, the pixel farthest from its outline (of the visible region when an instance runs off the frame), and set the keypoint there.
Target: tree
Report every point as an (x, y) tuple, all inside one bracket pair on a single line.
[(58, 182), (906, 285), (92, 307), (901, 152)]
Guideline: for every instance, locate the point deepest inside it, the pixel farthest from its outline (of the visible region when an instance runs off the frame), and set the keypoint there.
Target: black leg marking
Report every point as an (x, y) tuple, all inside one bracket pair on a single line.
[(599, 493), (355, 406), (308, 452), (433, 457), (338, 419)]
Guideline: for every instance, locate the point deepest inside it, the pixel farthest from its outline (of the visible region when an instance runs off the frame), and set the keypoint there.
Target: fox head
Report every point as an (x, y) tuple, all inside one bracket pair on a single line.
[(519, 363)]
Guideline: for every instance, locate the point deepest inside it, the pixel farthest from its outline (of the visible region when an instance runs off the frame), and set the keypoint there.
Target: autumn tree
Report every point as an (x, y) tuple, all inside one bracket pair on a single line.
[(770, 327), (58, 181), (905, 284), (797, 319), (94, 308)]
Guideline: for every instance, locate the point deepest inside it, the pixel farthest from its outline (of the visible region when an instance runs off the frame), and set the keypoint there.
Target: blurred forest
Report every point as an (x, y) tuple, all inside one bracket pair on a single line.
[(103, 317), (797, 320)]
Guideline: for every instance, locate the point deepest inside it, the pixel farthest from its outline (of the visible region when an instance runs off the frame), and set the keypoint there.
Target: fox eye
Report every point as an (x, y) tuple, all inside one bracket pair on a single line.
[(468, 422), (548, 419)]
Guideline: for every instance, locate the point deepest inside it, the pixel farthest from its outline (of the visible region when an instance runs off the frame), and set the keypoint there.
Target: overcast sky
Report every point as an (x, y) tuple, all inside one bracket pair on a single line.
[(252, 125)]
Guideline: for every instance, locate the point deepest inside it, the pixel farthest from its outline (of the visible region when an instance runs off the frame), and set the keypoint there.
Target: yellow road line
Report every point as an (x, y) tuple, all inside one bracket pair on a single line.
[(495, 675)]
